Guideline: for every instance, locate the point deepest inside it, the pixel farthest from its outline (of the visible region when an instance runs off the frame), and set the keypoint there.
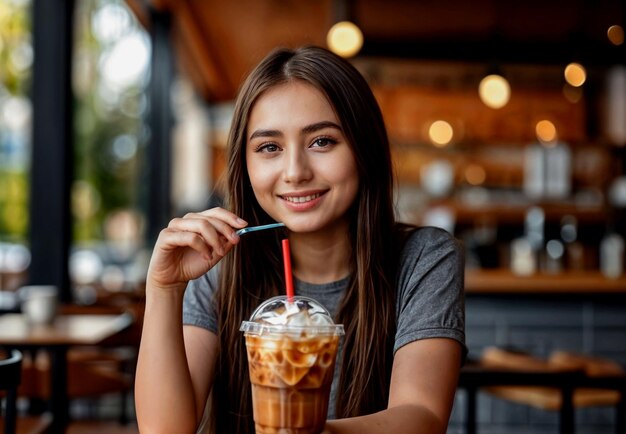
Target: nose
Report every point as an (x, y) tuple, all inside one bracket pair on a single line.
[(297, 167)]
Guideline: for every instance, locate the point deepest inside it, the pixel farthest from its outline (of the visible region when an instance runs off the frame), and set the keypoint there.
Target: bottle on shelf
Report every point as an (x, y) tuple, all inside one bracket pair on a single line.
[(547, 171), (574, 256), (523, 260), (554, 255), (612, 255), (527, 250)]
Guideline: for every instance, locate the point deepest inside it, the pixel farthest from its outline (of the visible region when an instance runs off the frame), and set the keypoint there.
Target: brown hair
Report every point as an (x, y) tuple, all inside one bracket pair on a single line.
[(249, 276)]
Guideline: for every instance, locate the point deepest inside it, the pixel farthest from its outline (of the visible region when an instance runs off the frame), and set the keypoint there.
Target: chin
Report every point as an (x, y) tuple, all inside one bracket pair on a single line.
[(302, 228)]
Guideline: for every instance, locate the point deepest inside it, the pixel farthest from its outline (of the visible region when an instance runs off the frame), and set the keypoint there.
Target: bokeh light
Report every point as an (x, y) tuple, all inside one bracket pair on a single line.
[(22, 56), (494, 91), (615, 34), (575, 74), (546, 132), (85, 266), (125, 64), (440, 133), (111, 22), (16, 113), (345, 39), (124, 147), (16, 258), (475, 174)]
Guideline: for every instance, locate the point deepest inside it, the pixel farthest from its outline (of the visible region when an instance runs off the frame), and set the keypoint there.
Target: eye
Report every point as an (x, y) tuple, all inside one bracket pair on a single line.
[(267, 148), (323, 142)]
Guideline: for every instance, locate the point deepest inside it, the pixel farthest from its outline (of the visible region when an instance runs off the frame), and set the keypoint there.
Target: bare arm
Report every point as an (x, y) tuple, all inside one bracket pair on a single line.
[(423, 383), (175, 363), (201, 351), (163, 387)]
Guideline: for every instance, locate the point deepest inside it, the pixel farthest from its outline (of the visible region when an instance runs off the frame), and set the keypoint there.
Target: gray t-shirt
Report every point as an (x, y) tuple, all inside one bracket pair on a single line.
[(429, 303)]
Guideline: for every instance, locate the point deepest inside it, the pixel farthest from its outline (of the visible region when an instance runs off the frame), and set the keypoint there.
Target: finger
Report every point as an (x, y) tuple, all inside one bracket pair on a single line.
[(206, 228), (216, 256), (170, 239), (226, 216), (212, 227), (216, 222), (224, 229), (218, 234)]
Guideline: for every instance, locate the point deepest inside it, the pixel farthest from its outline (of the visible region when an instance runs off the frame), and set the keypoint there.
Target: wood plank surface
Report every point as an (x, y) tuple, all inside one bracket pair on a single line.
[(503, 281), (66, 329)]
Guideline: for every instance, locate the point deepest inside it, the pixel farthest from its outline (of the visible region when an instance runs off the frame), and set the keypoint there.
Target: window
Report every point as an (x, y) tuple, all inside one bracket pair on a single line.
[(16, 59), (111, 59)]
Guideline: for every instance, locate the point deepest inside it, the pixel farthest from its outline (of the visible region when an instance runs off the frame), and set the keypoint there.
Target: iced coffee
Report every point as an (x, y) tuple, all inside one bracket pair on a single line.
[(292, 347)]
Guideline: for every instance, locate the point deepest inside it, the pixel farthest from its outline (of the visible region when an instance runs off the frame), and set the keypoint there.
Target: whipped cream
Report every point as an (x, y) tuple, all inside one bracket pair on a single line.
[(292, 315)]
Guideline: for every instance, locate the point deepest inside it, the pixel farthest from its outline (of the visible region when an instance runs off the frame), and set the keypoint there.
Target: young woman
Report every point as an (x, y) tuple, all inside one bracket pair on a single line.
[(307, 148)]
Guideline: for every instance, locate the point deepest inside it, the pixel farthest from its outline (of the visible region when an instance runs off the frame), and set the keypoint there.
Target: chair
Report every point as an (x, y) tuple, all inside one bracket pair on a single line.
[(476, 376), (10, 377), (600, 385)]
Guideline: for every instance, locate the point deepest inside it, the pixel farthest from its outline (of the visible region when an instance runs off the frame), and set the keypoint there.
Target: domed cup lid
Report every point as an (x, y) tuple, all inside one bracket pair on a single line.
[(300, 315)]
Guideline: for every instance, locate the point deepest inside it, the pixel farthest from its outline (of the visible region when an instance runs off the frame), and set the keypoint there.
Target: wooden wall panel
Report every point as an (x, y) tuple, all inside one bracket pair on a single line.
[(409, 110)]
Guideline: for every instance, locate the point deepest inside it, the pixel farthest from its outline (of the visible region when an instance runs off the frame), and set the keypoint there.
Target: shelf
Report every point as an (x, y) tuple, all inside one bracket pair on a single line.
[(514, 213), (503, 281)]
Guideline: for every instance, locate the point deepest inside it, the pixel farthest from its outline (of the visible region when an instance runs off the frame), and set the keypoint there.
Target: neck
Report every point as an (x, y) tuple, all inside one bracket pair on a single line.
[(321, 257)]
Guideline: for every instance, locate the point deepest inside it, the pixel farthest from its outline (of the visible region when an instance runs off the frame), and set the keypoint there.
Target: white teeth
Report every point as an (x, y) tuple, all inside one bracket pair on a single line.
[(301, 199)]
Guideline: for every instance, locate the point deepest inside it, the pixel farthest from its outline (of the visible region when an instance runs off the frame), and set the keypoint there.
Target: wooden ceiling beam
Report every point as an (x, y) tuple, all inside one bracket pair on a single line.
[(202, 53), (217, 42), (495, 52)]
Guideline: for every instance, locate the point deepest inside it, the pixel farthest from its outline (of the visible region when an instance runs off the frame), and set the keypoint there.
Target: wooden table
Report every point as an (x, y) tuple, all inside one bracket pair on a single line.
[(56, 339)]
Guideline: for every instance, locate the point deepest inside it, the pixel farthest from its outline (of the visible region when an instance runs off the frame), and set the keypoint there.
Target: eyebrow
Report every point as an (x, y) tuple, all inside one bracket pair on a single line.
[(320, 126), (306, 130)]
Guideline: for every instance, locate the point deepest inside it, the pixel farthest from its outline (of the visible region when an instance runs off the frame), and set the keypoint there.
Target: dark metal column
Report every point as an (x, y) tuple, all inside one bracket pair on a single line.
[(621, 219), (566, 415), (470, 412), (59, 401), (158, 172), (51, 170)]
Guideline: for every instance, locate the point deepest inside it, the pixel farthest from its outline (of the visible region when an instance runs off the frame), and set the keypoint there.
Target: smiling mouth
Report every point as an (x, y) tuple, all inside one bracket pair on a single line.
[(301, 199)]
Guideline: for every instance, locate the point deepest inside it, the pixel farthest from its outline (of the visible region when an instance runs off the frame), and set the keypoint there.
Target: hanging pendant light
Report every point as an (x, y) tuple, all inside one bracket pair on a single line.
[(440, 133), (345, 39), (494, 91)]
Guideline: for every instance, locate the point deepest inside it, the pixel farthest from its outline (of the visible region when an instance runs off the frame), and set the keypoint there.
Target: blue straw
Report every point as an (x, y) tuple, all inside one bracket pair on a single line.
[(259, 228)]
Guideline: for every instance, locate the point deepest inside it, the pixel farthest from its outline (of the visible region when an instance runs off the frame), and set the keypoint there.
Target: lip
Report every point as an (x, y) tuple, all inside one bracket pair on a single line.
[(317, 197)]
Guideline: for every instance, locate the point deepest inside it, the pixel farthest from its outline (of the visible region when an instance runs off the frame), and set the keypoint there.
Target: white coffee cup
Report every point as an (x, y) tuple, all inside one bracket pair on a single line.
[(39, 303)]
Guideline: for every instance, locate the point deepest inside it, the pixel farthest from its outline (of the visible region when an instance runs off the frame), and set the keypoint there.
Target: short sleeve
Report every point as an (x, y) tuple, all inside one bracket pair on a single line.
[(198, 302), (430, 298)]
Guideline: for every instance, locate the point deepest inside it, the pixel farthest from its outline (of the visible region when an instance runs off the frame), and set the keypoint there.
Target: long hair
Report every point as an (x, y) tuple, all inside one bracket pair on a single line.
[(251, 272)]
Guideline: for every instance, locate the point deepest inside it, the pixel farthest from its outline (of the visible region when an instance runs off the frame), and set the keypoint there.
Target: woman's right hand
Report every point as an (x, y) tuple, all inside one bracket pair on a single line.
[(190, 246)]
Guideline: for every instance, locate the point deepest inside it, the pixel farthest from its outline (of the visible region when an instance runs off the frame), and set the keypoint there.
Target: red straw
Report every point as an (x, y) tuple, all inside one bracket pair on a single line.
[(288, 275)]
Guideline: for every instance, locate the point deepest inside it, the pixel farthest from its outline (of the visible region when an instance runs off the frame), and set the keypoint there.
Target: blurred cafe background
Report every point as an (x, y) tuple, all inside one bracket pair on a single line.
[(507, 121)]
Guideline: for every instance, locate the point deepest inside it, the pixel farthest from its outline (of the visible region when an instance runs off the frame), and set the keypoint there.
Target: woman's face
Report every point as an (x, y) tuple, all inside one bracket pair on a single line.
[(301, 167)]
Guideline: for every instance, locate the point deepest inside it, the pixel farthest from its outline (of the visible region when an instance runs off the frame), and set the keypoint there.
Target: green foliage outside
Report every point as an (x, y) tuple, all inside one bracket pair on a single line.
[(15, 59), (108, 131), (13, 205), (15, 24), (104, 124)]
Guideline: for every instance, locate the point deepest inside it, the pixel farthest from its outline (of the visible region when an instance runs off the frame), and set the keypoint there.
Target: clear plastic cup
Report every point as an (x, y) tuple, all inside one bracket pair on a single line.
[(292, 347)]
